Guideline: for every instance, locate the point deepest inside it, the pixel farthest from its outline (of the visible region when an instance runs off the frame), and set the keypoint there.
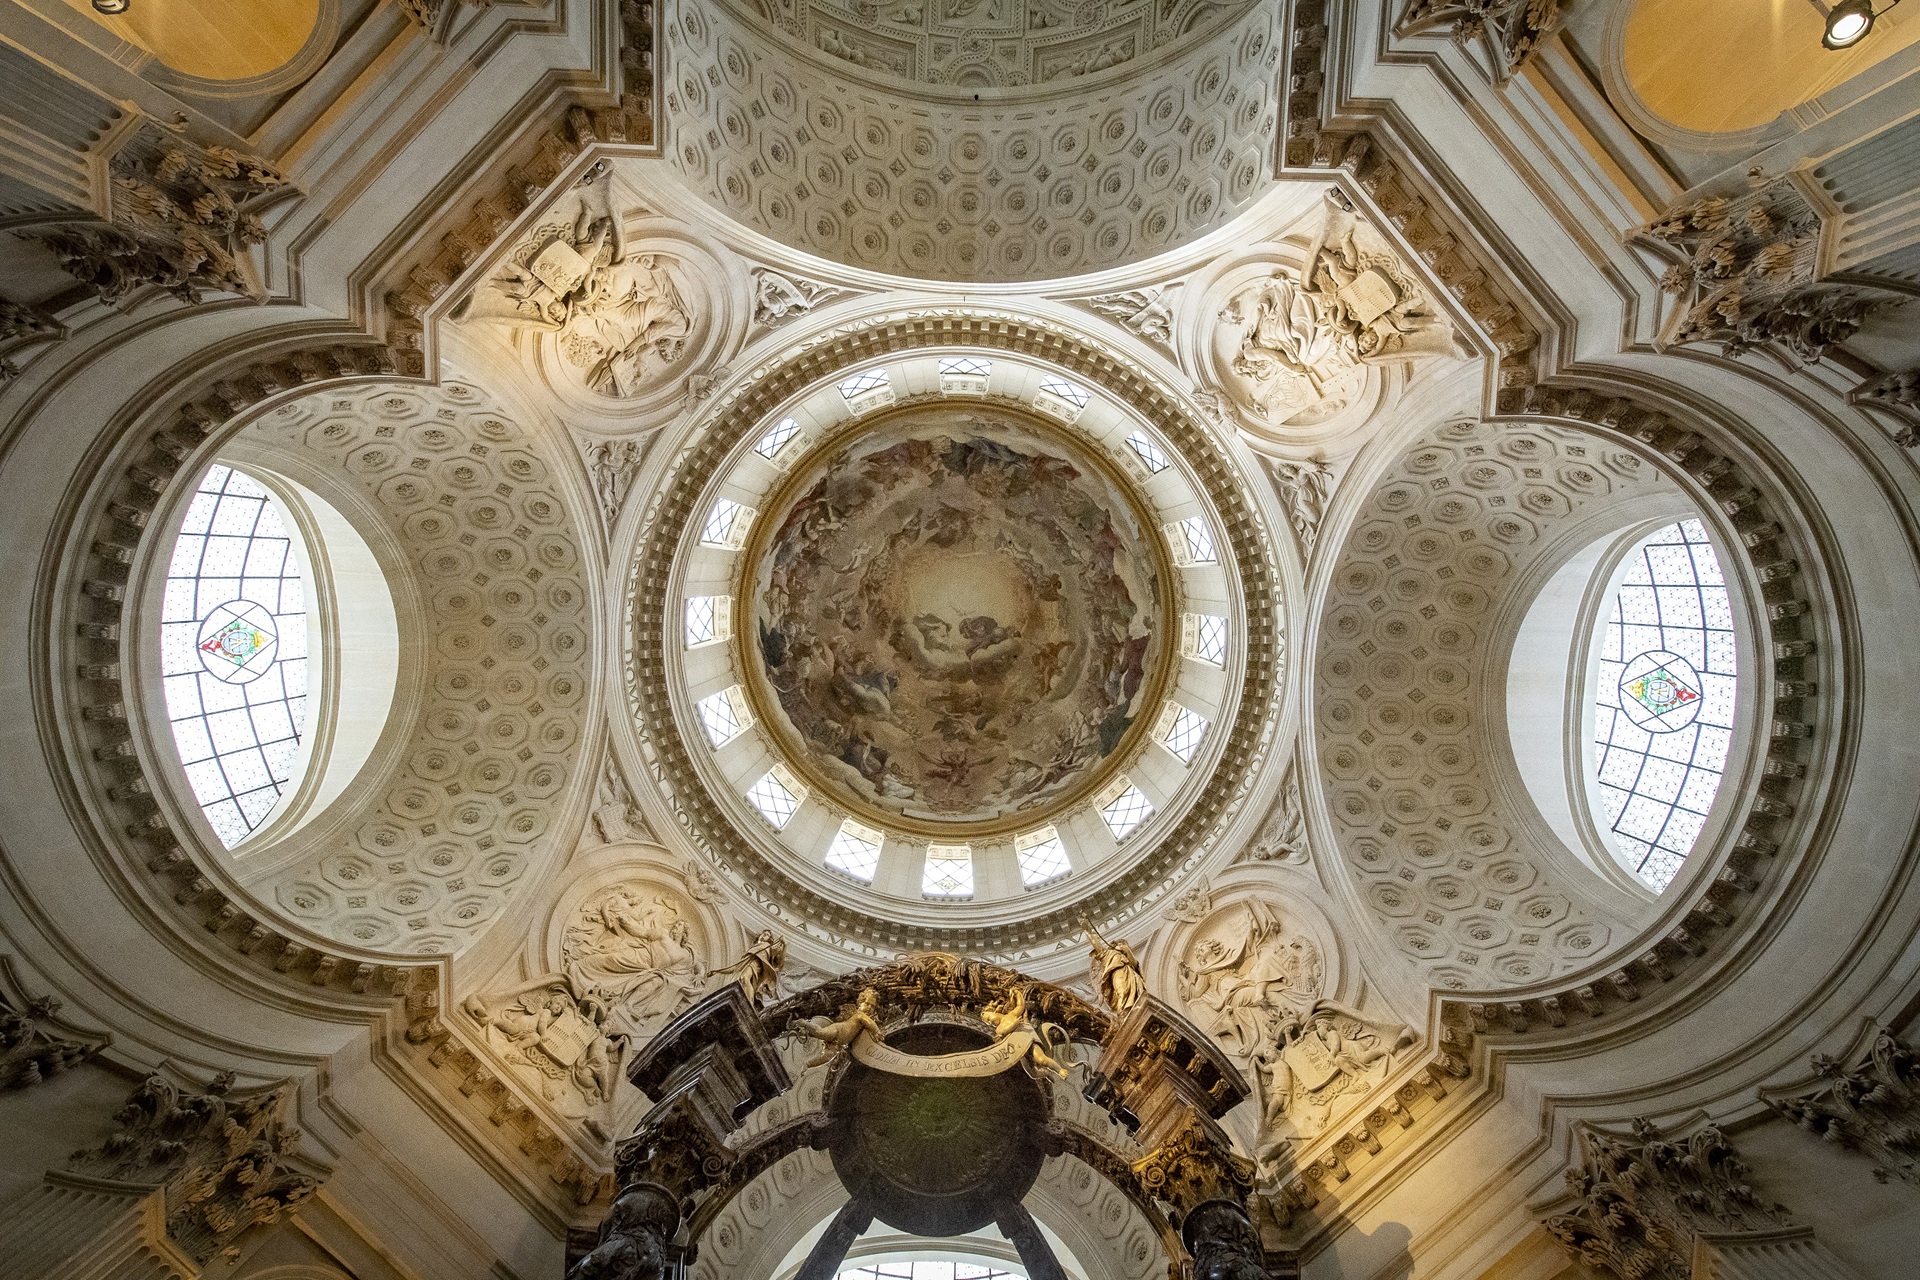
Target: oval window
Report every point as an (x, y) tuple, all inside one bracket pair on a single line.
[(233, 651), (1666, 680)]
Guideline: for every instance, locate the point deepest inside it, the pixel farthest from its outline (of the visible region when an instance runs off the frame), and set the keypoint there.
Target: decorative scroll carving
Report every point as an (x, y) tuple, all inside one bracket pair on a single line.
[(180, 215), (628, 965), (1872, 1108), (1750, 275), (1645, 1201), (225, 1160), (18, 323), (1145, 311), (619, 318), (1899, 392), (1512, 29), (778, 298), (1194, 905), (34, 1042)]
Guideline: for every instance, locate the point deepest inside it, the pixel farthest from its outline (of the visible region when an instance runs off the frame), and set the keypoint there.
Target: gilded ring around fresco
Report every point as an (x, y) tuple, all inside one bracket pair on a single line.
[(960, 618)]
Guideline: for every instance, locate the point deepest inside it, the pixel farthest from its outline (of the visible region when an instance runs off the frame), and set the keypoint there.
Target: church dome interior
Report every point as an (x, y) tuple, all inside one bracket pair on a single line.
[(959, 640)]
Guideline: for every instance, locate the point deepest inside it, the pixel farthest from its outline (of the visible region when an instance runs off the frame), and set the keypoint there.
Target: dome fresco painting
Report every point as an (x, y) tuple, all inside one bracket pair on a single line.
[(957, 617), (957, 640)]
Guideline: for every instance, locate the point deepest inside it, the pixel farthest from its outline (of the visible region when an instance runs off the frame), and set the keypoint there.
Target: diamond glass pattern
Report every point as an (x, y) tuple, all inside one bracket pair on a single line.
[(1126, 811), (1042, 856), (948, 872), (1077, 396), (776, 438), (1185, 733), (776, 803), (1664, 702), (233, 652), (855, 851), (1150, 454)]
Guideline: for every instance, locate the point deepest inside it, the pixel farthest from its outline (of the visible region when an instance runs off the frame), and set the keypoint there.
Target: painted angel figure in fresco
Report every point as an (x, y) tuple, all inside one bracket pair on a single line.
[(838, 1037), (1116, 970), (758, 970)]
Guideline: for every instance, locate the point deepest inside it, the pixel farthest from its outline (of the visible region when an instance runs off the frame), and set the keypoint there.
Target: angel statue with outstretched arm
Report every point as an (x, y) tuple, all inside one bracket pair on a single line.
[(838, 1037), (1116, 970)]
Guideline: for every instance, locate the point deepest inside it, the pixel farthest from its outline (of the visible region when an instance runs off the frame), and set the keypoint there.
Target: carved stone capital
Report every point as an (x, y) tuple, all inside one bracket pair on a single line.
[(1512, 29), (35, 1042), (1872, 1108), (1646, 1202)]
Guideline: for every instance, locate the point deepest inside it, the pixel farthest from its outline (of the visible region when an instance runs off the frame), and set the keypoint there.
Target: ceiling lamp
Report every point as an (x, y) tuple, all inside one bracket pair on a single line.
[(112, 6), (1848, 23)]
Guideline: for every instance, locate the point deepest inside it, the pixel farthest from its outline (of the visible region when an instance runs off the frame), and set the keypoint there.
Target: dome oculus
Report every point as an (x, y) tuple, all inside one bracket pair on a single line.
[(958, 618)]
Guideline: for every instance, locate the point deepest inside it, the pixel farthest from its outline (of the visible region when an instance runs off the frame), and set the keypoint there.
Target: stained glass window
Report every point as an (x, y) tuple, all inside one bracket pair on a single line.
[(1042, 856), (1124, 807), (855, 851), (233, 652), (1667, 681), (949, 871)]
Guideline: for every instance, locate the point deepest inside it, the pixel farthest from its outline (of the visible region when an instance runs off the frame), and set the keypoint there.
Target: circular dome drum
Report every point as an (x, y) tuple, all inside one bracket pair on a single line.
[(960, 619)]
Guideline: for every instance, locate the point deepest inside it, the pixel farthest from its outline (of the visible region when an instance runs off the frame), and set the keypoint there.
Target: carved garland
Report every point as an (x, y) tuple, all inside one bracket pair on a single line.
[(734, 416)]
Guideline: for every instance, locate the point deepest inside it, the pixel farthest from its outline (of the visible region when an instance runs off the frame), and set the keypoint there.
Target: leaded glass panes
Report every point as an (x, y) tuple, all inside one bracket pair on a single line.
[(1181, 730), (709, 620), (776, 438), (1204, 636), (1666, 683), (1151, 455), (948, 872), (726, 525), (1072, 393), (1124, 806), (1192, 542), (1042, 856), (725, 714), (855, 851), (777, 795), (233, 652)]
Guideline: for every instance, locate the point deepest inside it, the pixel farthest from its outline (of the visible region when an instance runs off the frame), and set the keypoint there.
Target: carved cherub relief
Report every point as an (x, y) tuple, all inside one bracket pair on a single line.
[(1245, 976), (1321, 1063)]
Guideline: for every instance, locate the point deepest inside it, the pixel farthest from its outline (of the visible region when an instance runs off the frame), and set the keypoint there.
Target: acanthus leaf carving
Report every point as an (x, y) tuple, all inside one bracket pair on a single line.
[(226, 1160), (1750, 278), (1872, 1108), (179, 214), (35, 1042), (1900, 393), (1644, 1201), (1513, 29), (778, 298), (22, 323)]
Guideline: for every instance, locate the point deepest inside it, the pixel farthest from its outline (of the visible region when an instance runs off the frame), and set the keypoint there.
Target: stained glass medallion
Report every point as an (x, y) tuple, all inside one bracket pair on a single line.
[(1660, 691), (238, 642)]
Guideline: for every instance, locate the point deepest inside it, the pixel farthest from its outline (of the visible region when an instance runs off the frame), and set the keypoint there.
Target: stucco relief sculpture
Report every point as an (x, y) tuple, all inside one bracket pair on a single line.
[(628, 965), (1292, 345), (758, 969), (778, 298), (1872, 1108), (1145, 311), (1322, 1063), (620, 319), (1245, 978)]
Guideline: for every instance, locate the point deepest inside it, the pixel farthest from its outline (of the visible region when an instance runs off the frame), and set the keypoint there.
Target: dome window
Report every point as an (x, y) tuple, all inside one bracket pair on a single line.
[(726, 525), (1666, 680), (855, 851), (948, 872), (1204, 636), (778, 437), (233, 652), (869, 390), (778, 796), (1123, 806), (1180, 731), (964, 375), (1192, 543), (1042, 855), (1063, 399), (709, 620), (726, 714), (1151, 455)]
